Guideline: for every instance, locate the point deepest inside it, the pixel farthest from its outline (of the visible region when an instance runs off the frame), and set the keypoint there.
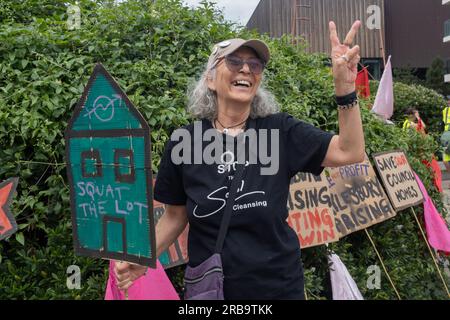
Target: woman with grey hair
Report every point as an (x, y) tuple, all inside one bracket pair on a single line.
[(236, 204)]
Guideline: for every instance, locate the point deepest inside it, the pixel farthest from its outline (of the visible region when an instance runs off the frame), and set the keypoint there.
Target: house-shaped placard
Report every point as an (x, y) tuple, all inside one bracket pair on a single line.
[(8, 225), (109, 172)]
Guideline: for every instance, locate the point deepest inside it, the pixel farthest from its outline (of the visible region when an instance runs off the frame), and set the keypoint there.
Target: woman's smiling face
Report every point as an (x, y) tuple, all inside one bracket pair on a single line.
[(236, 86)]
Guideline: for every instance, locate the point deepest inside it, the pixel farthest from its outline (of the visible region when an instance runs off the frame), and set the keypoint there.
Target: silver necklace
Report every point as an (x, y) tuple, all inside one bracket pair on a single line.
[(226, 129)]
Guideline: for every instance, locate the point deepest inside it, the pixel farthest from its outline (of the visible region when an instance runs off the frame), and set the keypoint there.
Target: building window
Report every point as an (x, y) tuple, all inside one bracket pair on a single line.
[(91, 164), (373, 66), (447, 29), (124, 165)]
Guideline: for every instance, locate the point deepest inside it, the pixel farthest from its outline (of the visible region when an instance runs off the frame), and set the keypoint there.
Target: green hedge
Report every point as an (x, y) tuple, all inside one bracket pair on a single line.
[(155, 50)]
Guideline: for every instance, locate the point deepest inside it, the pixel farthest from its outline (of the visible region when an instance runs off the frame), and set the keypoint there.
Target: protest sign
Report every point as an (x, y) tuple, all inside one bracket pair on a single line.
[(357, 197), (310, 211), (398, 179), (109, 171), (177, 253), (8, 224)]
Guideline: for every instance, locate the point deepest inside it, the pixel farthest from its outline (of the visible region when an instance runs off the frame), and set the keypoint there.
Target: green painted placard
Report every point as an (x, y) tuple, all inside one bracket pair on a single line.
[(109, 171)]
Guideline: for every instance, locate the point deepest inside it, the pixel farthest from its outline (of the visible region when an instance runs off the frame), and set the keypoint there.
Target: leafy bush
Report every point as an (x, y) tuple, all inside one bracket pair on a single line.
[(155, 50)]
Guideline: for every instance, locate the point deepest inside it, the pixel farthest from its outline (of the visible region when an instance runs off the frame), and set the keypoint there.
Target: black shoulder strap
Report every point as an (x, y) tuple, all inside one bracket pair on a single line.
[(240, 168), (228, 207)]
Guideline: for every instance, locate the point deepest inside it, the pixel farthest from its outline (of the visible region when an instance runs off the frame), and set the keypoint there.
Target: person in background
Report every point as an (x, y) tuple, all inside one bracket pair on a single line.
[(414, 121), (446, 120)]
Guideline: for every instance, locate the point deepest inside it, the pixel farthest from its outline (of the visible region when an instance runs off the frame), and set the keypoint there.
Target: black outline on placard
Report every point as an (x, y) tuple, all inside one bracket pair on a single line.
[(93, 155), (5, 208), (122, 222), (113, 133), (144, 132), (125, 178), (385, 182)]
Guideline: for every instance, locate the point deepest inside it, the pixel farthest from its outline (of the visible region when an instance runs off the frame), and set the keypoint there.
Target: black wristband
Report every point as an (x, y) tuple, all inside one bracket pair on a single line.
[(346, 100)]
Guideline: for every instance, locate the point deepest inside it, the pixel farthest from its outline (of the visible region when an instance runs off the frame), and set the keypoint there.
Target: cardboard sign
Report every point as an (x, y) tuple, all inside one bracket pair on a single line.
[(358, 198), (110, 177), (310, 210), (177, 253), (8, 224), (398, 179)]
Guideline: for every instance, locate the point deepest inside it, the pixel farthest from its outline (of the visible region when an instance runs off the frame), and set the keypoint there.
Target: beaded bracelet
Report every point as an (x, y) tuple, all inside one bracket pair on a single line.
[(348, 106), (348, 101)]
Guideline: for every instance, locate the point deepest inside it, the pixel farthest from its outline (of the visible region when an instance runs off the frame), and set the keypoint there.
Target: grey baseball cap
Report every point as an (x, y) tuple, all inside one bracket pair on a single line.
[(227, 47)]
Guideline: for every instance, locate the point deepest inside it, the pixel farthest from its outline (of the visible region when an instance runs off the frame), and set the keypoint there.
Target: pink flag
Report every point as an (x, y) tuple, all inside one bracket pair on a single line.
[(153, 286), (437, 231), (384, 102)]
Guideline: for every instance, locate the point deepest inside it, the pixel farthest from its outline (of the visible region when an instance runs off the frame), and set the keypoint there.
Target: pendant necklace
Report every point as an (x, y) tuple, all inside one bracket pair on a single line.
[(226, 129)]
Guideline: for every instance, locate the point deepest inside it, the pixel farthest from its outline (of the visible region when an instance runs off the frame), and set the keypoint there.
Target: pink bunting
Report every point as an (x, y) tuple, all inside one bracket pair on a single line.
[(155, 285), (437, 230)]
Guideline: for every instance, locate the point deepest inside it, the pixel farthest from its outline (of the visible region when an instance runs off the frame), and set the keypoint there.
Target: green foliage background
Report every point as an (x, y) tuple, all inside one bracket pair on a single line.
[(155, 50)]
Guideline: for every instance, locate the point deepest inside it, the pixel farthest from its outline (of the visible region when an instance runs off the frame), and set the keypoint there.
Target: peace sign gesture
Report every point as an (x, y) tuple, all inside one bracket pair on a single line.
[(345, 59)]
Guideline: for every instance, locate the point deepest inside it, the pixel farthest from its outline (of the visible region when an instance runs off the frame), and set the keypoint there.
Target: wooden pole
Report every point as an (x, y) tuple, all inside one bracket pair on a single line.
[(382, 264), (363, 66), (383, 53), (294, 20)]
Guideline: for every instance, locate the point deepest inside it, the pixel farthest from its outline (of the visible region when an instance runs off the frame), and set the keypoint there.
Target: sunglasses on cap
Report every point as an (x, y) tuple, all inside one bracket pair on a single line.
[(235, 64)]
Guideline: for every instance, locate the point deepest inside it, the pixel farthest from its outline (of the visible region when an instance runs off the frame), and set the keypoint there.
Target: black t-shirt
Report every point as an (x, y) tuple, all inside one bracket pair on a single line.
[(261, 253)]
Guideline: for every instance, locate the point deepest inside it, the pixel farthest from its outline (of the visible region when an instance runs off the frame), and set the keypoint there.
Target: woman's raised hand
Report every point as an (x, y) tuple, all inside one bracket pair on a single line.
[(345, 59)]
